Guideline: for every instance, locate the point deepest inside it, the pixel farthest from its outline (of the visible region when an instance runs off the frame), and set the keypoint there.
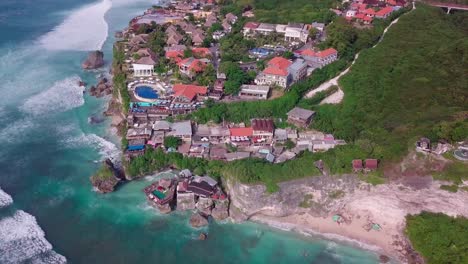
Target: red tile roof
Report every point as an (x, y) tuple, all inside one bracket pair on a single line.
[(308, 52), (279, 62), (201, 51), (189, 91), (173, 54), (275, 71), (263, 125), (241, 131), (327, 52), (277, 66), (357, 164), (251, 25), (193, 64), (369, 11), (371, 164), (384, 11)]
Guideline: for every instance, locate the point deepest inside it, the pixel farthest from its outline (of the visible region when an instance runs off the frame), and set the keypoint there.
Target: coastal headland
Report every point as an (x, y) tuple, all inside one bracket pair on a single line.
[(241, 135)]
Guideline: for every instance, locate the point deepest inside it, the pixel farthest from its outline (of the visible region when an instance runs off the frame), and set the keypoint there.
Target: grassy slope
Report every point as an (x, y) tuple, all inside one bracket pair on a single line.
[(439, 238), (414, 79), (281, 11)]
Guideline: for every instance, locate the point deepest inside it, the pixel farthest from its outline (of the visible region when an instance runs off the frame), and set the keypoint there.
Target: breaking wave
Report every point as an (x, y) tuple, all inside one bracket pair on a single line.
[(62, 96), (5, 199), (16, 131), (106, 148), (84, 30), (22, 240)]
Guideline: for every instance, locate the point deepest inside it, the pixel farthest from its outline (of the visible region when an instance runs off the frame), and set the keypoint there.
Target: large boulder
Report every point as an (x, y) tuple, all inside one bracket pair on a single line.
[(107, 177), (221, 210), (205, 205), (95, 60), (197, 220)]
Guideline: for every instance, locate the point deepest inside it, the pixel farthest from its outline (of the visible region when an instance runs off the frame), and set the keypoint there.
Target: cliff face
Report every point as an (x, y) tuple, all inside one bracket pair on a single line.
[(315, 195)]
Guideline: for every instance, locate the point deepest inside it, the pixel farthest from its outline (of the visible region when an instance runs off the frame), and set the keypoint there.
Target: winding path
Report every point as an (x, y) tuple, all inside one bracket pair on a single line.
[(337, 97)]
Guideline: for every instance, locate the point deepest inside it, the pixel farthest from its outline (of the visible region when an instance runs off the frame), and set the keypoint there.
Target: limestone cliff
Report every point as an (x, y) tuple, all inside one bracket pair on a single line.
[(314, 195)]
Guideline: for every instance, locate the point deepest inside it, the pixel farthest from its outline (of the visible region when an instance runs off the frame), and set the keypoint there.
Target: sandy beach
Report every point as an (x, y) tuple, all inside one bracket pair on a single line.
[(385, 205)]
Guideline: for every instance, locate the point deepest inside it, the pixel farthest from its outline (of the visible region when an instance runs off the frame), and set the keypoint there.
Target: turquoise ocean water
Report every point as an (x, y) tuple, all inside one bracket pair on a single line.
[(48, 210)]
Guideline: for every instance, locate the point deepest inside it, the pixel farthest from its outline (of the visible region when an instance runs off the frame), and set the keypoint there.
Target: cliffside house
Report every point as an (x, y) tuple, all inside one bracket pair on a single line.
[(138, 133), (191, 66), (321, 58), (265, 28), (174, 56), (250, 28), (300, 117), (296, 32), (240, 135), (188, 92), (182, 130), (173, 38), (384, 12), (423, 144), (276, 73), (262, 131), (231, 18), (357, 165), (260, 92), (198, 37), (371, 164), (139, 40), (144, 67), (219, 85)]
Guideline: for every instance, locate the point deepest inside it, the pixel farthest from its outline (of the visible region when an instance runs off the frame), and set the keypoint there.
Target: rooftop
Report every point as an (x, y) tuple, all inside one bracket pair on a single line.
[(300, 113)]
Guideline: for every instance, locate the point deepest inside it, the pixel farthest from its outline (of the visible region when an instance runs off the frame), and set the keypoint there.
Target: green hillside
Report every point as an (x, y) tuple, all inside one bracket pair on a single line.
[(413, 83), (438, 237), (281, 11)]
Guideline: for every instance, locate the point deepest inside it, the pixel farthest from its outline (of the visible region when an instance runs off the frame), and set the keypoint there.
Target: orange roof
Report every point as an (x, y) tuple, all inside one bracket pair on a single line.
[(252, 25), (201, 51), (384, 11), (308, 52), (327, 52), (279, 62), (277, 66), (241, 131), (275, 71), (369, 11), (189, 91), (174, 54), (193, 64)]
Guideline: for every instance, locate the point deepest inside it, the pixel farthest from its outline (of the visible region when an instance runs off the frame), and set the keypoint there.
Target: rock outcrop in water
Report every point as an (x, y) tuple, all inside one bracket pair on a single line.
[(104, 87), (95, 60), (221, 210), (107, 177), (197, 220)]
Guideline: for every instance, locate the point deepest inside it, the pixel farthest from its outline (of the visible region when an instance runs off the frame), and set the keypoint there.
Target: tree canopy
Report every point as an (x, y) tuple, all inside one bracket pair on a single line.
[(439, 238)]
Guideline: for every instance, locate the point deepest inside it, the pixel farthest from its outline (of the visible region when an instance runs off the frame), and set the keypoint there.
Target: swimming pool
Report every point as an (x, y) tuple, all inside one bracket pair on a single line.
[(146, 92)]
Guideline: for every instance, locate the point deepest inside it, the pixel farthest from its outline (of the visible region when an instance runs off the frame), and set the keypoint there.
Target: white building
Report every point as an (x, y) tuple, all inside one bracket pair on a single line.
[(144, 67), (254, 91), (296, 32)]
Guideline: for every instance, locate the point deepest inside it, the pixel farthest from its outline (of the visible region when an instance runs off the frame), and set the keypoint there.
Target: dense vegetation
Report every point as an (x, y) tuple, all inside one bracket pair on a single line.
[(438, 237), (280, 11), (412, 84)]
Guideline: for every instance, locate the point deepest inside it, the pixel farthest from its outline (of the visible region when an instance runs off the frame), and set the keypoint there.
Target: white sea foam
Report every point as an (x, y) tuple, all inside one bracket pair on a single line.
[(61, 96), (106, 148), (84, 30), (16, 131), (5, 199), (21, 239)]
